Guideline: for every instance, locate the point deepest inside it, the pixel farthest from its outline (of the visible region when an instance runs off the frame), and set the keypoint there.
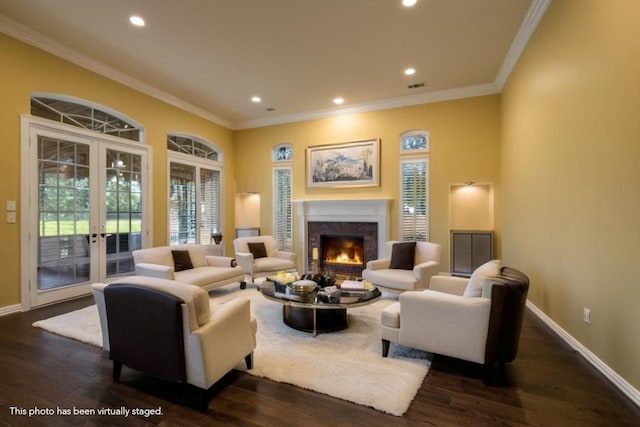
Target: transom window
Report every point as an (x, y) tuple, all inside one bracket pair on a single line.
[(415, 141), (192, 146), (283, 153), (80, 113)]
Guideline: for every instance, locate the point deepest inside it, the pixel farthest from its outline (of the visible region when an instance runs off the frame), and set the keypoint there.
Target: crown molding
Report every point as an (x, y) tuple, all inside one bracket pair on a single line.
[(36, 39), (529, 24), (385, 104)]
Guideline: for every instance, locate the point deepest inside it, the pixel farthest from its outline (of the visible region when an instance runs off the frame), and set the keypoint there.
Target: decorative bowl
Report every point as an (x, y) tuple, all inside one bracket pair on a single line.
[(303, 286)]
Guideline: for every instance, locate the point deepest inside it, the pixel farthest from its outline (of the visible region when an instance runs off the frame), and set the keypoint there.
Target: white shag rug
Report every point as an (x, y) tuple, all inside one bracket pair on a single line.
[(347, 364)]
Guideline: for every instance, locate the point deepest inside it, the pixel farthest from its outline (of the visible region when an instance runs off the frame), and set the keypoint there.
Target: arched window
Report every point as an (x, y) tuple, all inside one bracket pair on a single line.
[(282, 153), (195, 190), (87, 193), (414, 185), (192, 146), (85, 115), (282, 194)]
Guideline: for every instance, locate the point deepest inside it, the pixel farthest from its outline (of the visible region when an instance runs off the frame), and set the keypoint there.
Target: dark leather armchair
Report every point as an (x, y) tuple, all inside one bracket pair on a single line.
[(166, 329)]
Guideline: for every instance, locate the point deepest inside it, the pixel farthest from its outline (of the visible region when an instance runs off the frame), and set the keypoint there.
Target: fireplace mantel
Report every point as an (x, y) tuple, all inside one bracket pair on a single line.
[(363, 210)]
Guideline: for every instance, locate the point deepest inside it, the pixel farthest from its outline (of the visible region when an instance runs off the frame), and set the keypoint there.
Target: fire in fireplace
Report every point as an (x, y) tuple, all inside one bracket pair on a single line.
[(342, 249)]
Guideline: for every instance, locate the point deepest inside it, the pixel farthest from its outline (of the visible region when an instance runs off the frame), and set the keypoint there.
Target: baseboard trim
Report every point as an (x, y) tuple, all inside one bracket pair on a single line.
[(10, 309), (626, 388)]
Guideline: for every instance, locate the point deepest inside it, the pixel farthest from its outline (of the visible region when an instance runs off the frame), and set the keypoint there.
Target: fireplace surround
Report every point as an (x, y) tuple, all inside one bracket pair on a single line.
[(366, 219)]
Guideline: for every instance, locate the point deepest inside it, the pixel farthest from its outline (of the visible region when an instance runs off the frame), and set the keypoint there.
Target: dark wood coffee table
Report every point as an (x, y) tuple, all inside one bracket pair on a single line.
[(313, 313)]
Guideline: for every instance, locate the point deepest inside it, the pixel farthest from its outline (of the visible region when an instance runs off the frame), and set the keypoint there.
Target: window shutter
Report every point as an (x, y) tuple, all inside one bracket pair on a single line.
[(283, 219), (415, 200), (210, 204), (182, 204)]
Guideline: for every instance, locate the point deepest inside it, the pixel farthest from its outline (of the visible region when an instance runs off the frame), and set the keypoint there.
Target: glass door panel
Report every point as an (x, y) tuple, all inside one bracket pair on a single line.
[(123, 217), (64, 254)]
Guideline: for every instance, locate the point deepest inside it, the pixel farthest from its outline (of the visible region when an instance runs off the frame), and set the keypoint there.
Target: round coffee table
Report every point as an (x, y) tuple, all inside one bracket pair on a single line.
[(314, 313)]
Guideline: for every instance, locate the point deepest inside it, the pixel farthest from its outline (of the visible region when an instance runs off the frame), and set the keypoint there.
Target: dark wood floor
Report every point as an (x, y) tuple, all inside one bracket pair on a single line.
[(548, 385)]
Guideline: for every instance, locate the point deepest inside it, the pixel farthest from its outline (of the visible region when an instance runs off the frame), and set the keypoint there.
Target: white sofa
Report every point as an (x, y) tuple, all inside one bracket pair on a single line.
[(210, 269)]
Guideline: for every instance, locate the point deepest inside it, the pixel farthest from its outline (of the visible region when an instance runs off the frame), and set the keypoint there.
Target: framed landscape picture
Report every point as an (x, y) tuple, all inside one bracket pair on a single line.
[(349, 164)]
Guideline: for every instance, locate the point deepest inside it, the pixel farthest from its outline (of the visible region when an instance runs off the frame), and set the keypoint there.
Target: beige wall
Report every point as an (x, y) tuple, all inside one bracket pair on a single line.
[(570, 175), (465, 138), (471, 207), (23, 70), (465, 146)]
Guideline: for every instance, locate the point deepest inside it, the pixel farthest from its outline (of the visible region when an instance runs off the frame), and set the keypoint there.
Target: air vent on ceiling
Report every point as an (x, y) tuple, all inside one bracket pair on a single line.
[(415, 85), (270, 109)]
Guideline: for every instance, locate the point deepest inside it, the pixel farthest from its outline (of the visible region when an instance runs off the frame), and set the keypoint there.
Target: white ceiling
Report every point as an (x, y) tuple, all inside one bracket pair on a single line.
[(211, 56)]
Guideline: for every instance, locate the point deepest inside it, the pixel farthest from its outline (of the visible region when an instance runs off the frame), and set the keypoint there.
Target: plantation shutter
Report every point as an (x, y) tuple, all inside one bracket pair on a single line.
[(415, 200), (282, 216), (210, 204), (182, 204)]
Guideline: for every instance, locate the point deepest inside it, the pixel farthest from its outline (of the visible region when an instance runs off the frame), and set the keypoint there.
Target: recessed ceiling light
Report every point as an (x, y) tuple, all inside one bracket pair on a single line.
[(410, 71), (137, 21), (409, 3), (256, 99), (338, 101)]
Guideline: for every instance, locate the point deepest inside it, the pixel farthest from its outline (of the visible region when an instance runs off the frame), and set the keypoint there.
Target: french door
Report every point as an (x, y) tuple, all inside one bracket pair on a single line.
[(86, 209)]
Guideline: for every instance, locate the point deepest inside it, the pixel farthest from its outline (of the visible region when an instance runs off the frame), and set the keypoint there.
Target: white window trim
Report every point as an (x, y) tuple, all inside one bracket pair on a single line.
[(414, 156), (189, 160), (96, 106), (200, 140), (420, 151), (28, 216), (282, 165)]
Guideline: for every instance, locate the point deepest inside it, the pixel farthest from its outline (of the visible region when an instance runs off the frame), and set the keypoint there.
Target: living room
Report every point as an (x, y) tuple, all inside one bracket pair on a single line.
[(557, 143)]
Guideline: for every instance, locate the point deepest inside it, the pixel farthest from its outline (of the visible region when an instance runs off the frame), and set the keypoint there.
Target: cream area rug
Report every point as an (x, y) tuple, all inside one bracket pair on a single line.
[(347, 364)]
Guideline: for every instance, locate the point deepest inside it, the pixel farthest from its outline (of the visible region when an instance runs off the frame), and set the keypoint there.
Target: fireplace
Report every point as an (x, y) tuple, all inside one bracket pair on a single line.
[(343, 247), (340, 250), (367, 219)]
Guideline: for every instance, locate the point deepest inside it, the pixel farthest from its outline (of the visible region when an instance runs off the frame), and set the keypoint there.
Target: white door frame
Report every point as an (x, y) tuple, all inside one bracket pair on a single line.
[(31, 126)]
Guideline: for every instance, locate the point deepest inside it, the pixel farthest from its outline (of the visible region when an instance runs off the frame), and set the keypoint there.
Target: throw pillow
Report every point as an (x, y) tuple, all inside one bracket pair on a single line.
[(480, 274), (257, 249), (181, 260), (403, 255)]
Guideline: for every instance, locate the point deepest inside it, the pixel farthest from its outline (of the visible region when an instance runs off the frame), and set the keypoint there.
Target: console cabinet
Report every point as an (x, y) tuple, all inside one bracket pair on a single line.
[(469, 250)]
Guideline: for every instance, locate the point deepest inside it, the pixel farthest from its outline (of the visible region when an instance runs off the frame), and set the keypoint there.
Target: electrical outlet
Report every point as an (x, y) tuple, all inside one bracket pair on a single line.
[(586, 315)]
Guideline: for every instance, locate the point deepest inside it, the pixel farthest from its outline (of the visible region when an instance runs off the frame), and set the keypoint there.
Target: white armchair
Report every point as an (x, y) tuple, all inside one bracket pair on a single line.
[(477, 319), (414, 273), (259, 256), (166, 329)]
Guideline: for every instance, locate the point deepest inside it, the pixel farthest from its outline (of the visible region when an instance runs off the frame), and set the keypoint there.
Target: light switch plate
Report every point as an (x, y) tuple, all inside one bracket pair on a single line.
[(11, 217), (11, 205)]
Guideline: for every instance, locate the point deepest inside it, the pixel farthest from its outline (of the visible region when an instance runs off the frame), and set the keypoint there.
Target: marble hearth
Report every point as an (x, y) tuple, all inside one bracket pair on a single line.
[(368, 219)]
